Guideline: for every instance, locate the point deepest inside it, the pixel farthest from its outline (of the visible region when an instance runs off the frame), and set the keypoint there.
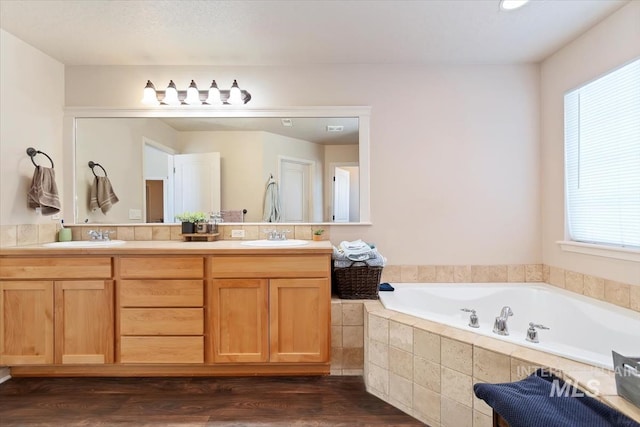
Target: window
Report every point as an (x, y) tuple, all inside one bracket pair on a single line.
[(602, 159)]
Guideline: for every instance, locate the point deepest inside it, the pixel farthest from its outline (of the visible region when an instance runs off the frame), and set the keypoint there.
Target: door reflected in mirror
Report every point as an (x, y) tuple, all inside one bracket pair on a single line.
[(163, 166)]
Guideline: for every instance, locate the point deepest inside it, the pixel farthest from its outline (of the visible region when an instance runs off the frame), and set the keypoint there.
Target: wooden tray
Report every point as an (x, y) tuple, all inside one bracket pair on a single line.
[(200, 237)]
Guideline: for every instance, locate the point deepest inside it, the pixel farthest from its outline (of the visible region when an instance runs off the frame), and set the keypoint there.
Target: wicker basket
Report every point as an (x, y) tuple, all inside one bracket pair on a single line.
[(358, 281)]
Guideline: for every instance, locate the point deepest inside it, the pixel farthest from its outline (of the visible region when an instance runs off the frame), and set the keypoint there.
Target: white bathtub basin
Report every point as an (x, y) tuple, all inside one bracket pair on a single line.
[(85, 244), (275, 243)]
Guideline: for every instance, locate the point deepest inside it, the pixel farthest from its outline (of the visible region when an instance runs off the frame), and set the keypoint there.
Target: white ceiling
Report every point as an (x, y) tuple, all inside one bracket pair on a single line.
[(222, 32)]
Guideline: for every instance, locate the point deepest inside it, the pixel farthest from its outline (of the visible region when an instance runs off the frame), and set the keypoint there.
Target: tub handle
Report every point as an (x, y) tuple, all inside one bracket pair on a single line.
[(532, 333), (473, 318)]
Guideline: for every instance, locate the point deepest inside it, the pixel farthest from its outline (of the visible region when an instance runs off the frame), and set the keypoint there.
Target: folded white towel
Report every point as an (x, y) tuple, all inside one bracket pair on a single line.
[(357, 250)]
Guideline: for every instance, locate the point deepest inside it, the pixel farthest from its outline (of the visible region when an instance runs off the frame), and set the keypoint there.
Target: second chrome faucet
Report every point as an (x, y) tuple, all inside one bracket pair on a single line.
[(500, 324)]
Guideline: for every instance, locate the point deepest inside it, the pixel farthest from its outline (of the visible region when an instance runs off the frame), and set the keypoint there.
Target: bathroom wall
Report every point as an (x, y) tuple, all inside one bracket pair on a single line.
[(454, 149), (608, 45), (31, 104)]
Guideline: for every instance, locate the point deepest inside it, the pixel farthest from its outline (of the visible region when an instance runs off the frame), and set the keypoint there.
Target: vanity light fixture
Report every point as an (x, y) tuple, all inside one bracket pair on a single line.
[(512, 4), (193, 96)]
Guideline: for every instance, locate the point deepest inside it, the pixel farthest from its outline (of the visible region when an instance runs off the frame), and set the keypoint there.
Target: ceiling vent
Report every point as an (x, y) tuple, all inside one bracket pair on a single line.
[(334, 128)]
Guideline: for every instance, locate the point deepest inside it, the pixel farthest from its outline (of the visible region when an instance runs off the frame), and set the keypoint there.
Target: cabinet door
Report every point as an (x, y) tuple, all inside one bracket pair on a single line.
[(299, 320), (27, 322), (239, 321), (84, 321)]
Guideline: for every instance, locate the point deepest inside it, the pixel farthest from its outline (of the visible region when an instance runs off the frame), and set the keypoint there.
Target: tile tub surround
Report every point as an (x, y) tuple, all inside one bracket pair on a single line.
[(428, 369), (347, 337)]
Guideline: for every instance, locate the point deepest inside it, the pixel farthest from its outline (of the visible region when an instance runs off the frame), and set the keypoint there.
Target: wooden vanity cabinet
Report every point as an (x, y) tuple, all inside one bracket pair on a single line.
[(56, 310), (297, 302), (161, 310)]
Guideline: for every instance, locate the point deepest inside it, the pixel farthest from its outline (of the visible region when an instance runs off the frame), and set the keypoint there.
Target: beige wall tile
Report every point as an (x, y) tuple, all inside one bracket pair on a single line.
[(401, 363), (462, 274), (444, 273), (302, 232), (593, 287), (409, 273), (352, 313), (252, 232), (142, 233), (533, 273), (126, 233), (515, 273), (426, 403), (378, 328), (521, 369), (336, 312), (456, 355), (454, 414), (353, 336), (335, 372), (426, 273), (176, 232), (488, 273), (426, 374), (482, 420), (556, 277), (353, 372), (378, 353), (48, 232), (574, 282), (457, 386), (426, 345), (161, 232), (401, 390), (378, 379), (391, 273), (8, 235), (336, 336), (336, 358), (546, 273), (27, 234), (617, 293), (352, 358), (80, 233), (401, 336), (490, 366), (634, 298)]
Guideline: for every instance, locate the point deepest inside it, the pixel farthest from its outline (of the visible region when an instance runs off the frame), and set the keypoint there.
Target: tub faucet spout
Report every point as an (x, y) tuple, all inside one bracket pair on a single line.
[(500, 325)]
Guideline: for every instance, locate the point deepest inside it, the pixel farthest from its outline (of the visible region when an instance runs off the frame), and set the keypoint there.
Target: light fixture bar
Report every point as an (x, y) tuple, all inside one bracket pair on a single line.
[(190, 96), (512, 4)]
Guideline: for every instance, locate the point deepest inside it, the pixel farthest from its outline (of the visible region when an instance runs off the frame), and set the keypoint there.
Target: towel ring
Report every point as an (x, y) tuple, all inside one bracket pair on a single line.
[(32, 153), (92, 165)]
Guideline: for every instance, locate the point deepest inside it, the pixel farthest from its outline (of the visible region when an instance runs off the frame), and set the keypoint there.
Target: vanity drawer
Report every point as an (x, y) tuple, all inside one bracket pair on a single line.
[(55, 268), (162, 349), (161, 321), (162, 267), (161, 293), (266, 266)]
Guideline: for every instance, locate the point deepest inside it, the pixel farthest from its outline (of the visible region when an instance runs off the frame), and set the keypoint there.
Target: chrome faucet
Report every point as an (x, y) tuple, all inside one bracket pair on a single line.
[(500, 325), (277, 235), (532, 333), (99, 235)]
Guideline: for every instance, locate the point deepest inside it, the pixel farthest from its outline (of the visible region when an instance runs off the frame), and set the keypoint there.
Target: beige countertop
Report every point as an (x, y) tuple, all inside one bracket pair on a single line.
[(170, 247)]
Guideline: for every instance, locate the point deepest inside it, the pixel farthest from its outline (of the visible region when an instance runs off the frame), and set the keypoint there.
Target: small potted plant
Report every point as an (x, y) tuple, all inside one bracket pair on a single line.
[(317, 234), (189, 221)]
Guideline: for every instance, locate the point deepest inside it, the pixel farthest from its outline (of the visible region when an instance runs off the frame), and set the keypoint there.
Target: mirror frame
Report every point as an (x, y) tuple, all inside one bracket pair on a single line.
[(69, 141)]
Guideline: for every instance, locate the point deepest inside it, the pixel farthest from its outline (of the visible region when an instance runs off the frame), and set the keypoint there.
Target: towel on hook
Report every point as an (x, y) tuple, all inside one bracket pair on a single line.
[(236, 215), (43, 192), (272, 207), (102, 195)]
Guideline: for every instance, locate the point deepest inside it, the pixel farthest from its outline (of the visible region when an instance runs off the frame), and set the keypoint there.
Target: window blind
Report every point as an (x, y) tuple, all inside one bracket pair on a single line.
[(602, 159)]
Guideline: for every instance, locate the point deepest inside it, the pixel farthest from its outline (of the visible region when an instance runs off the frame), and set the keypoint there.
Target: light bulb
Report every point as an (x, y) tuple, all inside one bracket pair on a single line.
[(214, 95), (235, 95), (171, 94), (149, 96), (512, 4), (193, 95)]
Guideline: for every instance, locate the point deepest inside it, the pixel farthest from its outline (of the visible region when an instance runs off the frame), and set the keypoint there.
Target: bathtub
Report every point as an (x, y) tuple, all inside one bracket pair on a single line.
[(581, 328)]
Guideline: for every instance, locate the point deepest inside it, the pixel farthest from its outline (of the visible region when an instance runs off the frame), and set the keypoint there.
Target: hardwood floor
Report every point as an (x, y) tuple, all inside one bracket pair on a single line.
[(190, 402)]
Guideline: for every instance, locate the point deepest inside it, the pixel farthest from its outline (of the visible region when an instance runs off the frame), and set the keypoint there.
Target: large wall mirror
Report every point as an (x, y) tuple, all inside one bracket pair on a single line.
[(161, 163)]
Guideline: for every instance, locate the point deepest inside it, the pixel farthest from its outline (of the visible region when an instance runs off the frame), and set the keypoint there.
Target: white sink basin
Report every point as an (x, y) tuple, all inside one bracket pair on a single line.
[(275, 243), (85, 244)]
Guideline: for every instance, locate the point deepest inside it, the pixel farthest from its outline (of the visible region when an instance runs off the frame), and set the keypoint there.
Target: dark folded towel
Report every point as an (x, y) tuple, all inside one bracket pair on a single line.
[(386, 287), (544, 400)]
